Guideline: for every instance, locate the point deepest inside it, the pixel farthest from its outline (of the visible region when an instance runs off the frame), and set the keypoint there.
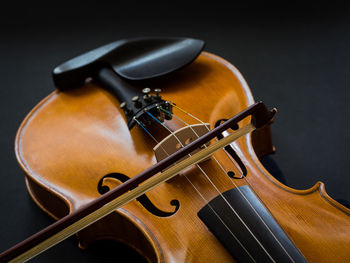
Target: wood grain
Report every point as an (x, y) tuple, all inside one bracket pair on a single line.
[(71, 140)]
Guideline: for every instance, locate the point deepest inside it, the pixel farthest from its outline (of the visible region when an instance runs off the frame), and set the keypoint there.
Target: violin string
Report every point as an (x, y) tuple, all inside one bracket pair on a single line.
[(188, 125), (221, 220), (198, 192), (140, 124), (223, 169), (217, 190)]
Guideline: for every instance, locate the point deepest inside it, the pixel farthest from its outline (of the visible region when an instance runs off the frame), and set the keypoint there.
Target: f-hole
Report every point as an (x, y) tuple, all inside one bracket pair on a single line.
[(230, 150), (143, 199)]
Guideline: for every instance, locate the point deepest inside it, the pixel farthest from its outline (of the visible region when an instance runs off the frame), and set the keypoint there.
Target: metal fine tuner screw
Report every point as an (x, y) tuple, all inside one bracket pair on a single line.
[(146, 91), (124, 107), (157, 91), (136, 101)]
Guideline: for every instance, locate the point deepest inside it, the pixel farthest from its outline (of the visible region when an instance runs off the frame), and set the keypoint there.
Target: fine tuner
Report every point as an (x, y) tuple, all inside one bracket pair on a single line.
[(101, 170), (114, 65), (140, 108)]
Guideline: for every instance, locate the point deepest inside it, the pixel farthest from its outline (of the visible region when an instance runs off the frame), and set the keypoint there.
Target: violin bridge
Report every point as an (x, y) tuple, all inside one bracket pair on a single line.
[(180, 138)]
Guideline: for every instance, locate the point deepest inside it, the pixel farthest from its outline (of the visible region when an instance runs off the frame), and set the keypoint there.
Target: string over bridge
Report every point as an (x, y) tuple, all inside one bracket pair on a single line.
[(136, 186), (185, 135)]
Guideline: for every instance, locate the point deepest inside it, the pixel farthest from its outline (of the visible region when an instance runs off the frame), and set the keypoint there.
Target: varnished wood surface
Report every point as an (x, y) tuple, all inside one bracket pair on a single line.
[(72, 139)]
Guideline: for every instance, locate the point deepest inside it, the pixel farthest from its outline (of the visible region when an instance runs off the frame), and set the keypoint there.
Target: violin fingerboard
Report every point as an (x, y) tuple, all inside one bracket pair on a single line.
[(247, 230)]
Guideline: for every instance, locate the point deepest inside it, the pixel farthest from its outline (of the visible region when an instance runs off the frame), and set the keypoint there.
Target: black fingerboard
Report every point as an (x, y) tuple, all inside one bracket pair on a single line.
[(258, 239)]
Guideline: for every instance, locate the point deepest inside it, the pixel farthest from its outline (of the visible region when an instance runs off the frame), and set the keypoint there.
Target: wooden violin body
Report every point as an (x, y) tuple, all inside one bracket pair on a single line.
[(72, 139)]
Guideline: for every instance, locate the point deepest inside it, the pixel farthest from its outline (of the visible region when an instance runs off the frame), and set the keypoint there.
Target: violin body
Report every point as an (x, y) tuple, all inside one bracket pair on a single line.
[(71, 140)]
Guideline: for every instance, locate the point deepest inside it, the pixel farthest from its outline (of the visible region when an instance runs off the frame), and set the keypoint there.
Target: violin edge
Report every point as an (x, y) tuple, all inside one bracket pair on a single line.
[(319, 186), (249, 140)]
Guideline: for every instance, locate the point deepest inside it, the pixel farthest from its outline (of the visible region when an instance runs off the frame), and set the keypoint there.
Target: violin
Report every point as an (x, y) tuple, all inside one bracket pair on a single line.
[(156, 143)]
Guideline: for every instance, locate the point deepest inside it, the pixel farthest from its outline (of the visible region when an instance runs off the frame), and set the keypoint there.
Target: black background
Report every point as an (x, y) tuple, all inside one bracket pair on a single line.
[(294, 57)]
